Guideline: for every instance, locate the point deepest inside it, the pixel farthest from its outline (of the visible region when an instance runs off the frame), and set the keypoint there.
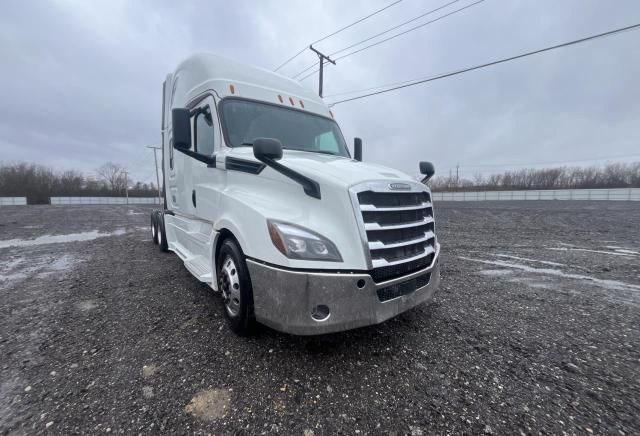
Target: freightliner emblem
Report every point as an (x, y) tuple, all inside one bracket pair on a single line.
[(399, 186)]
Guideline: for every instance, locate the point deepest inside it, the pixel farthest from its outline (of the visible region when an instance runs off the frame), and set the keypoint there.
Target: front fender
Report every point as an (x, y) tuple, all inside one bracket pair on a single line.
[(249, 201)]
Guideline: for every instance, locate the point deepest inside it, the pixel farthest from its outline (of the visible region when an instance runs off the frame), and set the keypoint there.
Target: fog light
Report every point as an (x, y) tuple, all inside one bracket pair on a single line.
[(320, 312)]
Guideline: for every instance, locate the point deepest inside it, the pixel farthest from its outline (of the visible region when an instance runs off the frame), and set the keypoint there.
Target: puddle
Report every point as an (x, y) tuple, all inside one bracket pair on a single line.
[(62, 263), (532, 284), (86, 305), (623, 250), (604, 283), (6, 279), (495, 272), (526, 259), (60, 239), (22, 268), (613, 253)]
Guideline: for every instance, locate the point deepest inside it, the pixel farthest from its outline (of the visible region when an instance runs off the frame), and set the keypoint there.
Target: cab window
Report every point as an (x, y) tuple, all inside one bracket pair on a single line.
[(204, 132), (327, 143)]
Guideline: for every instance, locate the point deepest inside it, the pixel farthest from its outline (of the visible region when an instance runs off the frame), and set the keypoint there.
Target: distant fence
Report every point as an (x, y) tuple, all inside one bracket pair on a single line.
[(104, 200), (621, 194), (13, 201)]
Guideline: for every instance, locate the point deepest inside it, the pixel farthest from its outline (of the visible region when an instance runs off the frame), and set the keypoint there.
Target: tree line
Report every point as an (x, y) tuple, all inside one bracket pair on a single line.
[(38, 183), (616, 175)]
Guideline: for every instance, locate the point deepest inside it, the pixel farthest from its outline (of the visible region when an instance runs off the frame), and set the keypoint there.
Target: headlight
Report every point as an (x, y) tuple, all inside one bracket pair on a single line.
[(299, 243)]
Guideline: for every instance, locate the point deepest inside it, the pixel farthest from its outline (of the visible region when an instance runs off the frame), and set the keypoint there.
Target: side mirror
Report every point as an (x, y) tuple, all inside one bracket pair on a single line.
[(428, 170), (181, 124), (267, 148), (357, 149)]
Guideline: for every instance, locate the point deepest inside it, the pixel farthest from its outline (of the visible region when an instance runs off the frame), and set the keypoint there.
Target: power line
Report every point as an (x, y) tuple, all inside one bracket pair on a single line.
[(396, 27), (394, 36), (382, 33), (338, 31), (488, 64), (338, 94)]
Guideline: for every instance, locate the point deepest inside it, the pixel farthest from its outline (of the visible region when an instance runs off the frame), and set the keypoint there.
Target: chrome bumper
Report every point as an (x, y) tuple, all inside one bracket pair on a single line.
[(285, 300)]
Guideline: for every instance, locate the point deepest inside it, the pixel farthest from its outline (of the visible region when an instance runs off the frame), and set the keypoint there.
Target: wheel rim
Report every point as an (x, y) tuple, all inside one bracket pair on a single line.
[(160, 236), (153, 231), (230, 286)]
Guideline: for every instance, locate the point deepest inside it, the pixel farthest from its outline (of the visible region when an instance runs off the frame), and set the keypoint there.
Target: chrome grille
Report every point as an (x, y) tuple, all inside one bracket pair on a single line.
[(398, 228)]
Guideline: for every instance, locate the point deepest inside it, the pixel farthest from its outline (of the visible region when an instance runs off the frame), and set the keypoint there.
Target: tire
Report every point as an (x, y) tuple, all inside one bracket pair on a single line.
[(162, 234), (234, 284), (154, 227)]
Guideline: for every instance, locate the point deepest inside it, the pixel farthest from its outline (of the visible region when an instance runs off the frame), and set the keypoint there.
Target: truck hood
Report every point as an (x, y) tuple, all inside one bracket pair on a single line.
[(328, 169)]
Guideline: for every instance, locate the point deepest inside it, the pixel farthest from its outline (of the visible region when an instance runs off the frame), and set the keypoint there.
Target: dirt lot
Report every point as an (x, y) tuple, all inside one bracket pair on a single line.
[(536, 328)]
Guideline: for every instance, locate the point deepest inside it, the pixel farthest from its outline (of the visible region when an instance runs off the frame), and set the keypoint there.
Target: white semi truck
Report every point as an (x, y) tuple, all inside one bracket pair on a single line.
[(265, 203)]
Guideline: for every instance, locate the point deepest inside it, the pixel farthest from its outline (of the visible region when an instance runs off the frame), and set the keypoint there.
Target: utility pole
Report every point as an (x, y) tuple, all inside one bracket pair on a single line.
[(155, 157), (457, 175), (322, 57)]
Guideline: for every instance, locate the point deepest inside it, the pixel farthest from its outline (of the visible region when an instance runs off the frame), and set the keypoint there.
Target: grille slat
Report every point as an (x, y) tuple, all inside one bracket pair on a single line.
[(370, 207), (378, 245), (407, 256), (393, 199), (400, 231), (376, 226), (390, 218)]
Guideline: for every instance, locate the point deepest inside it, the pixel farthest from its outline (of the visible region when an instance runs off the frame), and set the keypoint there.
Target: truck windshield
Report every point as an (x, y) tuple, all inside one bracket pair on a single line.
[(244, 121)]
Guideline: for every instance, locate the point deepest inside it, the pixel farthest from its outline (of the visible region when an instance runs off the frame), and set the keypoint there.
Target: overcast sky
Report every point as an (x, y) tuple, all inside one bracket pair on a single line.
[(81, 80)]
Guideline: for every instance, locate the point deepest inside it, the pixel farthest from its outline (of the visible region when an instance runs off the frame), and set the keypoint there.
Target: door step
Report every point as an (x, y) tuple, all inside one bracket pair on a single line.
[(199, 266)]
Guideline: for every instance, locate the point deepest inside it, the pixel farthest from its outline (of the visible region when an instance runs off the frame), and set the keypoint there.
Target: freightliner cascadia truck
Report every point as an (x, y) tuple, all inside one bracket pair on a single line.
[(265, 203)]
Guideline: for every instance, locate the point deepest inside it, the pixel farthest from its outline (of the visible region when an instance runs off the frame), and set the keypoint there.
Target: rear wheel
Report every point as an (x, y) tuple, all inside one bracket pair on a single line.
[(154, 227), (235, 285)]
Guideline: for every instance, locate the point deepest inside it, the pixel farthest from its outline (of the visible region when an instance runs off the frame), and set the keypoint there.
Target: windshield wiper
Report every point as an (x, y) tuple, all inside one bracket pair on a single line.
[(246, 144)]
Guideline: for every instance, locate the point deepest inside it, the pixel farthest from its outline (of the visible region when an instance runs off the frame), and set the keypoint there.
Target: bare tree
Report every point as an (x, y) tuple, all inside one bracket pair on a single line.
[(38, 183), (113, 175)]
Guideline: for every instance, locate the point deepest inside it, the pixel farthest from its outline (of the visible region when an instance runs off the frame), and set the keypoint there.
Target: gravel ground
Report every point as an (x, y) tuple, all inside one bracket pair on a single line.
[(535, 330)]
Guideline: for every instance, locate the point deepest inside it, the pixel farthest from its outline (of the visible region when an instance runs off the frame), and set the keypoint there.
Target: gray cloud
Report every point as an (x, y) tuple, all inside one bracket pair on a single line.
[(82, 81)]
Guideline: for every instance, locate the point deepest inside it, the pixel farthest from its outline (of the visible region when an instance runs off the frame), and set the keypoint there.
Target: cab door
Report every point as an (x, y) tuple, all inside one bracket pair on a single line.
[(207, 180)]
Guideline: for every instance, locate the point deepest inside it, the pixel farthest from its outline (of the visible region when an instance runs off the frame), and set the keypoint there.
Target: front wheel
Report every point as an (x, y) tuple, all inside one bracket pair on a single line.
[(235, 285)]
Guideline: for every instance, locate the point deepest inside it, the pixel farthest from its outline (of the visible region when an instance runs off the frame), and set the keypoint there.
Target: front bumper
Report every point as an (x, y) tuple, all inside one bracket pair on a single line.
[(285, 300)]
